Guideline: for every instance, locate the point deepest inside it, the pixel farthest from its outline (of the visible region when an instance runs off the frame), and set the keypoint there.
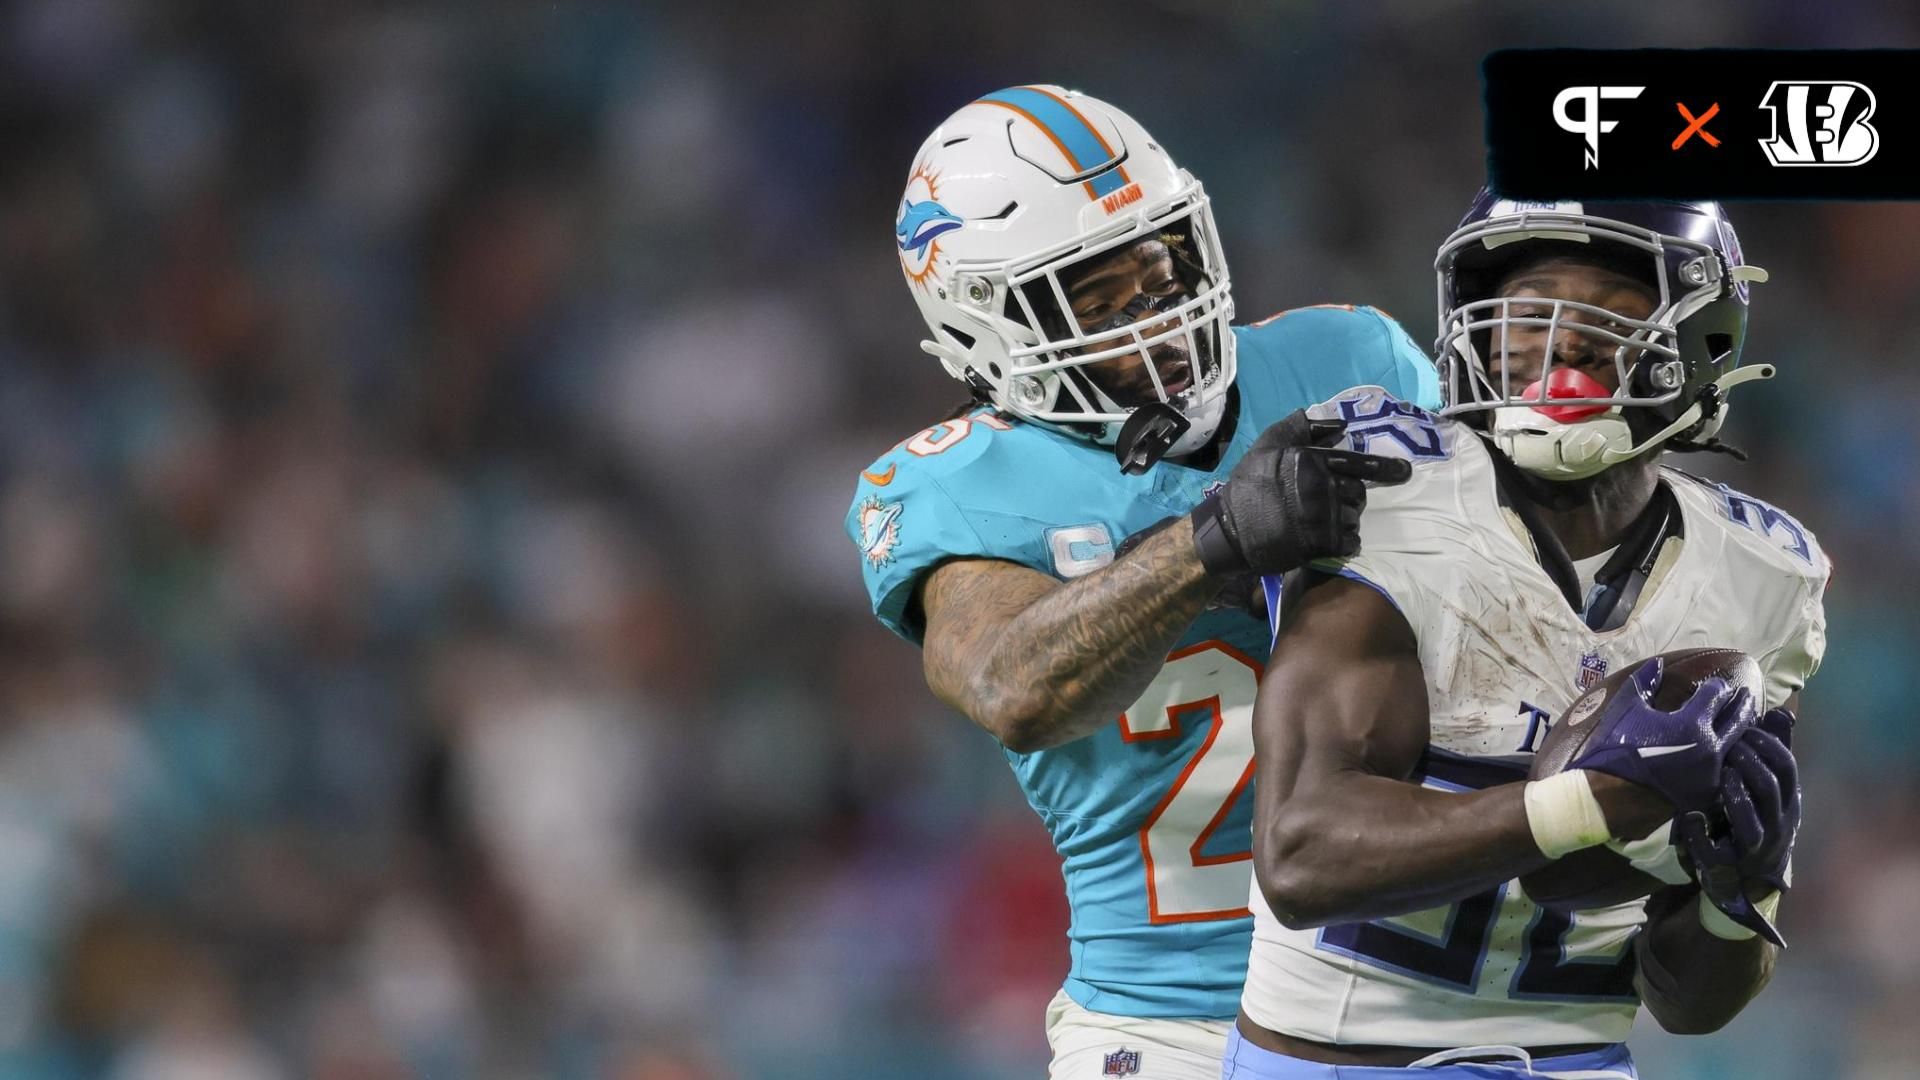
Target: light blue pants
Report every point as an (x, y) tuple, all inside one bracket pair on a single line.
[(1245, 1061)]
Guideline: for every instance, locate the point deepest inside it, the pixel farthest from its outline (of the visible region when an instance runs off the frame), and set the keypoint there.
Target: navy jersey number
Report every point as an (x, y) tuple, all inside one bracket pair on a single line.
[(1390, 425), (1448, 946)]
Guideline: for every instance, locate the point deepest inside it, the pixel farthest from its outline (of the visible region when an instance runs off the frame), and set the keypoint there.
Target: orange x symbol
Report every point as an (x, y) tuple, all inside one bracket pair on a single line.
[(1698, 125)]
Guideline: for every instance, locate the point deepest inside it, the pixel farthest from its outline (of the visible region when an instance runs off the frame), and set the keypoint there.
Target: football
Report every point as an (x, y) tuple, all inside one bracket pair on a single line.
[(1599, 877)]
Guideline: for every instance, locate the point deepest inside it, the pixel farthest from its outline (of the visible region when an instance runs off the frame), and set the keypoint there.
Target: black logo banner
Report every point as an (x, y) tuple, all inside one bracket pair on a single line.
[(1703, 123)]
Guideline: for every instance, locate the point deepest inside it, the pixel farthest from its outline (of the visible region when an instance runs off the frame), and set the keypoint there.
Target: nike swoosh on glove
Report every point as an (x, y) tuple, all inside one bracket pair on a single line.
[(1678, 754)]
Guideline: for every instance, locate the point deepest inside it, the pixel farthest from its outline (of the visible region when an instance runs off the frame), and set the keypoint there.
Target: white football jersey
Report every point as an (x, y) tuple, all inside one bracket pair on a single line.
[(1504, 652)]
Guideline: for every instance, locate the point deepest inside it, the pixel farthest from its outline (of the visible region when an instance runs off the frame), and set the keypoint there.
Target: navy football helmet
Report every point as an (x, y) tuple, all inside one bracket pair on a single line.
[(1674, 367)]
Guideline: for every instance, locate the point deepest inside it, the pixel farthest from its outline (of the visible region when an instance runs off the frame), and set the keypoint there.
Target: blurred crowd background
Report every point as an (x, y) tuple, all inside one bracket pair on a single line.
[(428, 646)]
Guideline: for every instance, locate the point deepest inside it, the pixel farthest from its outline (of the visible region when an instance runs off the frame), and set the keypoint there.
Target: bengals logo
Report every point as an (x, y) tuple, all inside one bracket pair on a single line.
[(1820, 123)]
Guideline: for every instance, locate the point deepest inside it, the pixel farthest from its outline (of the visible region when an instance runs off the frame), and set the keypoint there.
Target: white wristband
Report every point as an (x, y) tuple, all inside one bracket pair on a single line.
[(1721, 926), (1564, 815)]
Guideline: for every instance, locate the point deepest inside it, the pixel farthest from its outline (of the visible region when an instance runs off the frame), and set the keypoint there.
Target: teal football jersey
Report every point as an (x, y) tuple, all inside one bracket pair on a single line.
[(1151, 814)]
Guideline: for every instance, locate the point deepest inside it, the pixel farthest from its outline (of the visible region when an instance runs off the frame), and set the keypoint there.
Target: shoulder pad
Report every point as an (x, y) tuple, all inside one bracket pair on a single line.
[(1334, 346), (919, 505), (939, 448), (1380, 423), (1321, 326), (1761, 527), (1315, 316)]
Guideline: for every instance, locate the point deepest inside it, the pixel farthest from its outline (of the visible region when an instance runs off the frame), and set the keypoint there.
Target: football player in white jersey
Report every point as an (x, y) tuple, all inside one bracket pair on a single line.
[(1540, 542)]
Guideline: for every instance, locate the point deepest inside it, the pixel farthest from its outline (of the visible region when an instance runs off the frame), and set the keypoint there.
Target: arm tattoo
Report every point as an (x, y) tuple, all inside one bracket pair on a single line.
[(1040, 663)]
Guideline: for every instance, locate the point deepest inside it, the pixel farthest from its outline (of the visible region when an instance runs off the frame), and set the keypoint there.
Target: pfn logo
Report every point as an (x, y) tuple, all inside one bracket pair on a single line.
[(1588, 124), (1826, 124)]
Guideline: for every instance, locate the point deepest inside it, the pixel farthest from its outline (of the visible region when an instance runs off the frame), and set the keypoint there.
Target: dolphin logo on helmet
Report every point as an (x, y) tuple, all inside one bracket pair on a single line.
[(1012, 196), (920, 222)]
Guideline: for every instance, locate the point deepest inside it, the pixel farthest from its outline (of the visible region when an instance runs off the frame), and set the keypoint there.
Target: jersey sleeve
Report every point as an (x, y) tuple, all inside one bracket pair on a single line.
[(919, 519), (1392, 573), (1785, 574), (1383, 576), (1790, 664)]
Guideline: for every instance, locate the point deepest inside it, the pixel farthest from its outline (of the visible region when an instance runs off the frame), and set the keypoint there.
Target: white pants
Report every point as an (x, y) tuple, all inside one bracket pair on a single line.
[(1093, 1046)]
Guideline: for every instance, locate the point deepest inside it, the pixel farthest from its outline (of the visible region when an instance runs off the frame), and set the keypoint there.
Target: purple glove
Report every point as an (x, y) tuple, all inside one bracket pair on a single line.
[(1760, 795), (1679, 754), (1761, 798)]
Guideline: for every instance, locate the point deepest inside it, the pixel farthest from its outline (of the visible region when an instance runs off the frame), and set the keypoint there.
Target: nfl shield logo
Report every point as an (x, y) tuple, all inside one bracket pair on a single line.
[(1122, 1062), (1592, 670)]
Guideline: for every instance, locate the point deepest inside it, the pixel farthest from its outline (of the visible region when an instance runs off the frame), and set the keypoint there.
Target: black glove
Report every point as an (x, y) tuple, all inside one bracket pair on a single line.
[(1291, 500)]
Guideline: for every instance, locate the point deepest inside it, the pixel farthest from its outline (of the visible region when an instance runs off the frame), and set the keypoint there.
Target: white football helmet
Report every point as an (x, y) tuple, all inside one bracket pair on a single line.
[(1031, 181)]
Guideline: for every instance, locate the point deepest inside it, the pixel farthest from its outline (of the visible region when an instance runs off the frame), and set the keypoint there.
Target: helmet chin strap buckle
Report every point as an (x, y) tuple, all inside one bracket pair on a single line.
[(1147, 435), (1706, 406), (982, 389)]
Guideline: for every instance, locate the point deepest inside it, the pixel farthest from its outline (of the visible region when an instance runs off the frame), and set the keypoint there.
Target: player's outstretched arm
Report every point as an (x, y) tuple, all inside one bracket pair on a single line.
[(1039, 663), (1340, 833)]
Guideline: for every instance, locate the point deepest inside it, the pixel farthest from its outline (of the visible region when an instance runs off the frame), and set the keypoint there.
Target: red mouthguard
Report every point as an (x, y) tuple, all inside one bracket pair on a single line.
[(1566, 382)]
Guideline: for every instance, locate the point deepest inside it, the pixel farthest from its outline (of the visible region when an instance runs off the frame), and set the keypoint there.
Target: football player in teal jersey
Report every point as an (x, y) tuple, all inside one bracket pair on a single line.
[(1072, 550)]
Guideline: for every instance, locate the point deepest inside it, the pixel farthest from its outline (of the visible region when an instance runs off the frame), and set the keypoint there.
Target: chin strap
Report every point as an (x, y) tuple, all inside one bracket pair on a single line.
[(1604, 441), (1711, 446), (1147, 435), (1715, 391)]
